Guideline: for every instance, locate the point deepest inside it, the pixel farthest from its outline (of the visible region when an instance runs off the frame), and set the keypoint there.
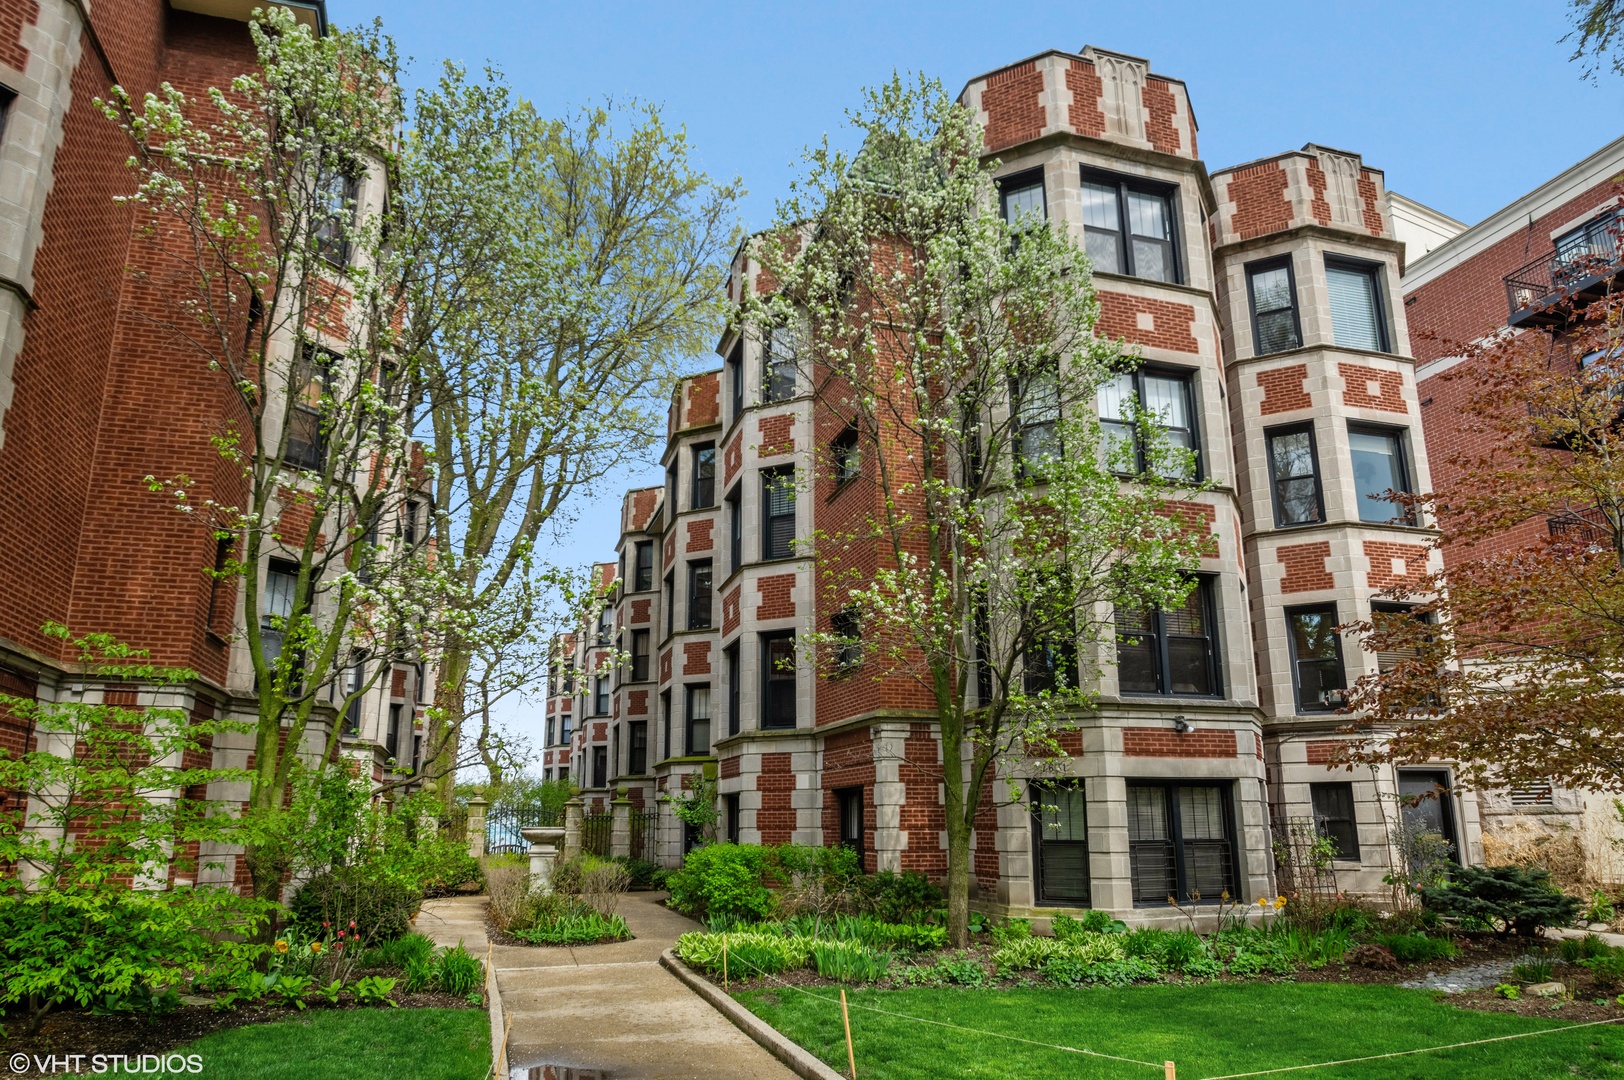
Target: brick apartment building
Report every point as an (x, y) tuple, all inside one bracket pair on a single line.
[(92, 398), (1263, 299), (1502, 273)]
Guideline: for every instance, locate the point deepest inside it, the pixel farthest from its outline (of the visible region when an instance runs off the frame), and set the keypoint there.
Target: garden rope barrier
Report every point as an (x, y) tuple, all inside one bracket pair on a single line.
[(1408, 1053)]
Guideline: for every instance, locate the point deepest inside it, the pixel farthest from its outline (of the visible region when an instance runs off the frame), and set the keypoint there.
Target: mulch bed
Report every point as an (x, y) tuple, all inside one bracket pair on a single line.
[(81, 1032)]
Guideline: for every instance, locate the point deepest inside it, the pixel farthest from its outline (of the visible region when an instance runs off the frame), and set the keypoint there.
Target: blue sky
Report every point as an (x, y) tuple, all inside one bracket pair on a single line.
[(1465, 106)]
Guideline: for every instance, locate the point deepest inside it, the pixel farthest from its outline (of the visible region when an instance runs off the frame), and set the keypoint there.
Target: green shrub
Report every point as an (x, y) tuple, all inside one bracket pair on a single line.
[(374, 990), (867, 930), (1027, 953), (1148, 943), (439, 865), (722, 879), (748, 953), (1416, 948), (1069, 970), (1608, 967), (557, 919), (963, 970), (896, 898), (643, 874), (459, 973), (1184, 950), (380, 906), (419, 973), (1314, 949), (1518, 899), (1533, 969), (1011, 930), (1575, 950), (398, 952), (848, 961)]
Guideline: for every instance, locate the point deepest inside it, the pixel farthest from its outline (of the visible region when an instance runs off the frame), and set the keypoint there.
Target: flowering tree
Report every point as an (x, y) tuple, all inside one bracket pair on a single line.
[(997, 523), (1510, 659)]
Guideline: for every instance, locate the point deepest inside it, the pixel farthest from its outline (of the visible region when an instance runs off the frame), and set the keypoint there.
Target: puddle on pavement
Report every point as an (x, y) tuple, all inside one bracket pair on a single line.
[(556, 1072)]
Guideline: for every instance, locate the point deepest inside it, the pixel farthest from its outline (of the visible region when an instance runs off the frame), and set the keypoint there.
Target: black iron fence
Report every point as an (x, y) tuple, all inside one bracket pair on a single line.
[(502, 825), (596, 830), (644, 826), (1583, 259)]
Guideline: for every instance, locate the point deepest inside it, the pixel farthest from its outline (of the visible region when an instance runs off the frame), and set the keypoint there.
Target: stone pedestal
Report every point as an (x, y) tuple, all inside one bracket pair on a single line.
[(475, 831), (572, 827), (543, 854), (620, 826)]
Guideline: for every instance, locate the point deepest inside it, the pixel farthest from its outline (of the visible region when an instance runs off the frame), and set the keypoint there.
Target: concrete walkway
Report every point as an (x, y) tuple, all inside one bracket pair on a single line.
[(605, 1007)]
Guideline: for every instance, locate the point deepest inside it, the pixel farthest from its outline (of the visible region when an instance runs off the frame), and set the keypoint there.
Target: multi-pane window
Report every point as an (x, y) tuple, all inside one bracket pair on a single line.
[(606, 626), (336, 195), (699, 720), (735, 375), (1294, 476), (735, 530), (1172, 650), (1060, 819), (1316, 655), (1356, 305), (552, 731), (778, 513), (778, 365), (844, 456), (305, 444), (704, 494), (848, 627), (1021, 199), (1334, 819), (699, 594), (778, 680), (1379, 467), (276, 607), (1128, 227), (643, 566), (1180, 842), (637, 747), (600, 695), (1168, 399), (1037, 412), (640, 655), (1274, 307)]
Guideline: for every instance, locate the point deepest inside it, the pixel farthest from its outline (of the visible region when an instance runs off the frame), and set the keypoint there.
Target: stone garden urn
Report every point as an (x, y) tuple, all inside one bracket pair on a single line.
[(543, 853)]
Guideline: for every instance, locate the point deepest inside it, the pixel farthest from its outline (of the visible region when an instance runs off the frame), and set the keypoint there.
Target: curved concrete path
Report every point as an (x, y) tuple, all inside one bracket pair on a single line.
[(608, 1008)]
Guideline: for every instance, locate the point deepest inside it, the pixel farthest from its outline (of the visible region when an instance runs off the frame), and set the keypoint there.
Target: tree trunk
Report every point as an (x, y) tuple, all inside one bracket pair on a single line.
[(958, 835), (445, 719)]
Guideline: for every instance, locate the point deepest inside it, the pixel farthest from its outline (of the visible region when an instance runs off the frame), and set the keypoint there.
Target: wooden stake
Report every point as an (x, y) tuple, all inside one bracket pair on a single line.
[(506, 1028), (845, 1018), (1172, 1073)]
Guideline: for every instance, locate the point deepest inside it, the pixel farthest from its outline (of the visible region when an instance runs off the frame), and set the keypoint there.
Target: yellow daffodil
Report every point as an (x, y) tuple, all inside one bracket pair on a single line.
[(315, 947), (1263, 901), (1279, 902)]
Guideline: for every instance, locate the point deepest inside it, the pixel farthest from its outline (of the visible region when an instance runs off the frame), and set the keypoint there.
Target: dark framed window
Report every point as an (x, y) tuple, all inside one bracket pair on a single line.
[(1379, 466), (337, 194), (730, 818), (1050, 662), (1128, 226), (1334, 818), (643, 566), (600, 695), (354, 679), (731, 655), (697, 713), (606, 626), (1171, 651), (564, 728), (1022, 201), (778, 680), (411, 524), (1316, 657), (1060, 829), (1181, 842), (1358, 318), (670, 603), (600, 766), (735, 376), (1168, 396), (552, 731), (1273, 292), (704, 493), (1037, 412), (1428, 806), (391, 738), (671, 492), (983, 642), (640, 655), (1381, 615), (845, 458), (847, 624), (849, 806), (569, 679), (699, 594), (306, 442), (637, 747), (778, 512), (665, 720), (735, 530), (614, 753), (1294, 479), (276, 604), (8, 97), (222, 587), (778, 365)]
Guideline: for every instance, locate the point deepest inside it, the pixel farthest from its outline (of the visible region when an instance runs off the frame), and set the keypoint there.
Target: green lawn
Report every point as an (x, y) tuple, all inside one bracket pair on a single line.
[(352, 1044), (1208, 1030)]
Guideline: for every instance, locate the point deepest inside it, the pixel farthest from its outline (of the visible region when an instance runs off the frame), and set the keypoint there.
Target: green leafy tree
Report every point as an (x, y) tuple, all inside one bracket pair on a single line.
[(998, 526)]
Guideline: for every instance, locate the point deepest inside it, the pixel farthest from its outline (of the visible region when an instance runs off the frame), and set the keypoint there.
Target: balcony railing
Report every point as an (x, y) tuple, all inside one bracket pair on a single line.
[(1580, 268), (1588, 526)]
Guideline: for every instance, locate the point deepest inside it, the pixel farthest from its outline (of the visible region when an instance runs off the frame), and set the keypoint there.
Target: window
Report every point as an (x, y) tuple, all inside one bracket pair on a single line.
[(844, 456), (778, 513), (640, 655), (670, 603), (778, 680), (1173, 651), (1180, 842), (848, 626), (600, 695), (1168, 398), (1427, 806), (276, 607), (1587, 250), (8, 97), (606, 627), (1356, 308), (735, 376), (778, 365), (637, 747), (354, 679), (1050, 664), (704, 493), (731, 653), (220, 593), (699, 718), (1379, 467), (391, 739), (569, 680), (600, 766), (849, 802), (1333, 817), (699, 594), (1294, 476), (735, 530), (1274, 307), (614, 753), (305, 447), (564, 728), (1128, 226), (665, 717), (1060, 822), (643, 567), (1037, 411), (411, 516), (1316, 655), (1021, 199), (671, 493), (552, 731), (730, 818), (336, 196)]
